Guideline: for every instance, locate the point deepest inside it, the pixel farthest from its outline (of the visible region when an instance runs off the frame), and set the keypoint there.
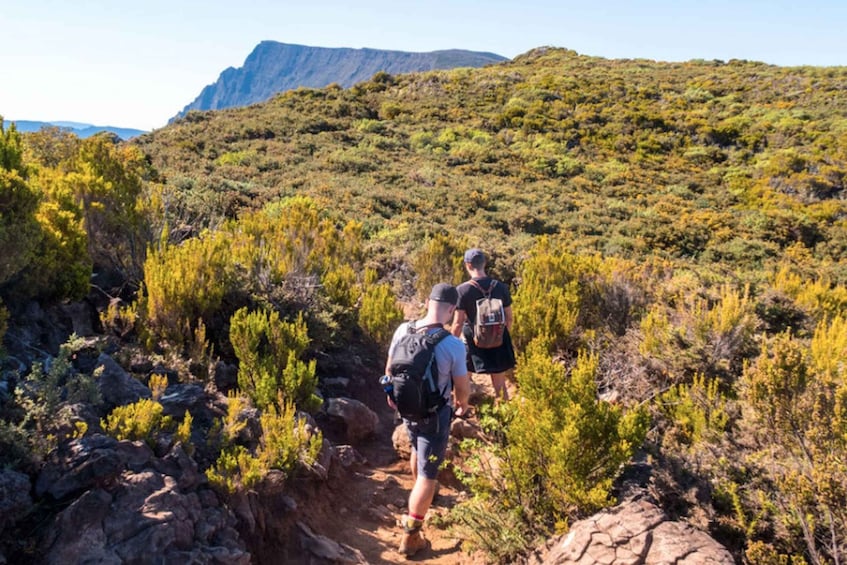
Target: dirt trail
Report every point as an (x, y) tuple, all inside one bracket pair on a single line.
[(372, 527), (365, 509)]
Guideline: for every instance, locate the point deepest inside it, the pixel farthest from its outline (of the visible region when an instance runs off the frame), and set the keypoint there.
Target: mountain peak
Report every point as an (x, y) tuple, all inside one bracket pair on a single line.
[(273, 67)]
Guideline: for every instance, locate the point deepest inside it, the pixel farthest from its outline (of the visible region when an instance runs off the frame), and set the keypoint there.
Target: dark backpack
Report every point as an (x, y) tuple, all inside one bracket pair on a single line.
[(415, 373), (490, 321)]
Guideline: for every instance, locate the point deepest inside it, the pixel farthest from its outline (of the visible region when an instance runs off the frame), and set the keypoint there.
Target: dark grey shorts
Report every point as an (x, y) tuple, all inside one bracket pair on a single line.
[(429, 440)]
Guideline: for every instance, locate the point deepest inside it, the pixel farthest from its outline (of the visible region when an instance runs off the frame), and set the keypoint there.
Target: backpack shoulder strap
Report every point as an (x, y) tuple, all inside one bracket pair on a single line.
[(412, 327), (435, 339), (486, 293), (438, 336)]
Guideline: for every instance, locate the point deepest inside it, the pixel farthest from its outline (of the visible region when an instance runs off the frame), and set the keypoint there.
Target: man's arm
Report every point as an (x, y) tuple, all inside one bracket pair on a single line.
[(459, 318), (461, 381), (461, 391), (508, 312)]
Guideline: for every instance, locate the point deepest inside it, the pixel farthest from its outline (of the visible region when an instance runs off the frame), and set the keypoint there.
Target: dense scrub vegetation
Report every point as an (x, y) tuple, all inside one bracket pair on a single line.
[(724, 165), (673, 234)]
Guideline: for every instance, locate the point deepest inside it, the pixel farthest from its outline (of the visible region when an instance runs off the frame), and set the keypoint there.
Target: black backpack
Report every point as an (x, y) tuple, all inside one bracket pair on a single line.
[(415, 373)]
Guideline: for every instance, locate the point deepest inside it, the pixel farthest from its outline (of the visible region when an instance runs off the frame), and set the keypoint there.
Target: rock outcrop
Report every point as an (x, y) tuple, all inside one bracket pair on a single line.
[(323, 551), (633, 533), (275, 67), (130, 504), (80, 465), (118, 387), (15, 499), (359, 420)]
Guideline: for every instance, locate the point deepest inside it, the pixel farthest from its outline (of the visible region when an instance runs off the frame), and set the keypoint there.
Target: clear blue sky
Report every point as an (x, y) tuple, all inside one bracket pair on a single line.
[(136, 64)]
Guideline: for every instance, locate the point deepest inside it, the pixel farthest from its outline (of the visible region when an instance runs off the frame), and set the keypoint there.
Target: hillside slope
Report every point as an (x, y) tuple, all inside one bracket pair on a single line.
[(275, 67), (727, 164)]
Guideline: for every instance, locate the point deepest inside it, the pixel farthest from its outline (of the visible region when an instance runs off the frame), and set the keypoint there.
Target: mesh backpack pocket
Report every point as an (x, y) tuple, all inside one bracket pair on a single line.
[(490, 321)]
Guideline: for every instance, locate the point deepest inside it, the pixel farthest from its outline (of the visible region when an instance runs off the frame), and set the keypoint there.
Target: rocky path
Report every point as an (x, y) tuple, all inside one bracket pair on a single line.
[(378, 495), (364, 511)]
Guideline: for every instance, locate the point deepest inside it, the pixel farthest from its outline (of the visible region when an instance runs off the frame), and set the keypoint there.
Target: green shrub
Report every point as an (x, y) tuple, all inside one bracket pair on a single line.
[(560, 447), (43, 394), (19, 233), (268, 352), (285, 443), (498, 532), (144, 420), (139, 421), (106, 180), (440, 259), (63, 266), (183, 284), (798, 396), (235, 468), (818, 294), (120, 319), (183, 433), (370, 126), (547, 302), (379, 314), (237, 158), (761, 553), (699, 334), (287, 245), (340, 286), (695, 412)]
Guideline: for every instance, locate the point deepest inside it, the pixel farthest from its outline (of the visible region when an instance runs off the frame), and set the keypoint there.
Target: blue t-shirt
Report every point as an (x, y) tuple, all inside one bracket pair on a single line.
[(449, 357)]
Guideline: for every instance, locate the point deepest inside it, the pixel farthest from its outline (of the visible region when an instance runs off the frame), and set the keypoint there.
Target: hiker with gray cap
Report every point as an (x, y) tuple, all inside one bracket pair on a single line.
[(425, 379)]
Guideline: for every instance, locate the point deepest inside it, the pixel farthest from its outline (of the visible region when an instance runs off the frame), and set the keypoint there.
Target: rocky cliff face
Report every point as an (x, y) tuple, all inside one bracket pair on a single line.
[(274, 67)]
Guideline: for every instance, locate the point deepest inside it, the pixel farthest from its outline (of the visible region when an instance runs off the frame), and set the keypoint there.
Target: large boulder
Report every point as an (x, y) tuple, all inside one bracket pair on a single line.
[(80, 465), (359, 420), (118, 387), (179, 398), (160, 514), (634, 533), (15, 500), (225, 375), (80, 316)]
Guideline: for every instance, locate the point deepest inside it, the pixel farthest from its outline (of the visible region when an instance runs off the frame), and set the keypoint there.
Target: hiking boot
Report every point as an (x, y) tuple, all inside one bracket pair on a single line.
[(411, 543), (412, 540)]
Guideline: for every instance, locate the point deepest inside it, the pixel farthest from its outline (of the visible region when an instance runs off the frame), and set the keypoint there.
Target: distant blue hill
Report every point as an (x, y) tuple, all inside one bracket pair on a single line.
[(81, 130)]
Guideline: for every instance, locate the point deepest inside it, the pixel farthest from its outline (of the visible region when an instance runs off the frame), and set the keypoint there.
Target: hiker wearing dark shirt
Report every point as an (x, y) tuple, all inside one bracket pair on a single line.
[(498, 362)]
